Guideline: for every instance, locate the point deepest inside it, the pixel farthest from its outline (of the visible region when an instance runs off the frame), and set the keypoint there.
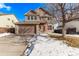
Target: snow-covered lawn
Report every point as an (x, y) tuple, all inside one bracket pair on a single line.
[(71, 39), (4, 34), (45, 46)]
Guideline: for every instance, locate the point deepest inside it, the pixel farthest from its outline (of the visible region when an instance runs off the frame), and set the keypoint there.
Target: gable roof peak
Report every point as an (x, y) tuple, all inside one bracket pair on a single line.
[(46, 12), (32, 11)]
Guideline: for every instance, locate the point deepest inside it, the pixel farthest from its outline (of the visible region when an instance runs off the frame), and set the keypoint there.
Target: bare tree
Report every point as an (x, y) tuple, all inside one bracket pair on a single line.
[(63, 12)]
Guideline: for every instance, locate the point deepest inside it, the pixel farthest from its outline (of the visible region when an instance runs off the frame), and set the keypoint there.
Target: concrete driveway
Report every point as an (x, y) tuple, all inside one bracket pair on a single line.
[(10, 46)]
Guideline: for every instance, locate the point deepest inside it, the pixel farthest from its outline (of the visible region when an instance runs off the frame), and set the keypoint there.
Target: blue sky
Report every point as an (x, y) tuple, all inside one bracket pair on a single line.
[(19, 9)]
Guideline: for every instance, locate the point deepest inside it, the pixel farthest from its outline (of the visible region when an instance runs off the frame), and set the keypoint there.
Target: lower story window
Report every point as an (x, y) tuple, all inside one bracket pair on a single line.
[(49, 27)]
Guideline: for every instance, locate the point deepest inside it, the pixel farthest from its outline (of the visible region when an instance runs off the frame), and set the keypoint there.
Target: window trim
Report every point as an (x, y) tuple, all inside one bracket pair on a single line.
[(35, 17), (32, 17), (28, 17)]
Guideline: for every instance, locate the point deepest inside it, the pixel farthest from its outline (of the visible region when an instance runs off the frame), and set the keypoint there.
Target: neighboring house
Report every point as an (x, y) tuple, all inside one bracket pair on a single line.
[(72, 27), (37, 21), (7, 21)]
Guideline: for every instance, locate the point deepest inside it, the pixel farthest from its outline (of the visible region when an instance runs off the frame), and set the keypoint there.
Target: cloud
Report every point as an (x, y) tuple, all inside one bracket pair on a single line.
[(2, 5)]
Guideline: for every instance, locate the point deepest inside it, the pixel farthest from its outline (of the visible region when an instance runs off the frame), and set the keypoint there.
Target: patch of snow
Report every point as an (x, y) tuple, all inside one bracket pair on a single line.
[(45, 46), (55, 26), (73, 35), (43, 34), (4, 34)]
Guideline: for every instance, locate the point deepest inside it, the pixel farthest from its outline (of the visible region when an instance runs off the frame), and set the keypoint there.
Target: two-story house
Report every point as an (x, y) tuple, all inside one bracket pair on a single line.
[(37, 21)]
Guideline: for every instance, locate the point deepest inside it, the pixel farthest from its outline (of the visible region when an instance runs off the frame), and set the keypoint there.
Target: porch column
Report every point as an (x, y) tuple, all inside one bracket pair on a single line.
[(42, 28), (46, 27), (16, 29), (37, 29)]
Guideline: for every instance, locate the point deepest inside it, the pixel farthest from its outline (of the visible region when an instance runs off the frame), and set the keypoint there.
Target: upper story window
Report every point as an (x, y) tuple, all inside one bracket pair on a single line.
[(44, 18), (48, 18), (33, 17), (9, 19), (28, 17), (12, 21)]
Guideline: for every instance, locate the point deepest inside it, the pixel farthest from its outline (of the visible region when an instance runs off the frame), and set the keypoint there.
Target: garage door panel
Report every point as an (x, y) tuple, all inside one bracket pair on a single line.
[(26, 29)]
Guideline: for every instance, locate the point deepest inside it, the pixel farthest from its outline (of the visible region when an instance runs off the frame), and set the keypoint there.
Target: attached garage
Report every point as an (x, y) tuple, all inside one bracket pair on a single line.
[(31, 27), (26, 28)]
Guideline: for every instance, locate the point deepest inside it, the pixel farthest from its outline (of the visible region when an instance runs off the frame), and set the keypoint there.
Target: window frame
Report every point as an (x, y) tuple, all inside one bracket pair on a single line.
[(28, 17), (32, 17)]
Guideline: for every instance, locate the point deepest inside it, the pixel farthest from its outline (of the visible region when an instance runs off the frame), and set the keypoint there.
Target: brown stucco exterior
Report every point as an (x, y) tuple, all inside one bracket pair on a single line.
[(27, 28), (36, 22)]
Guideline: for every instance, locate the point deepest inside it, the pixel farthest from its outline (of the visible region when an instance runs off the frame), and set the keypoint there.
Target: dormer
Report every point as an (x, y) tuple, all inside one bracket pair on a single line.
[(42, 12), (31, 15), (44, 15)]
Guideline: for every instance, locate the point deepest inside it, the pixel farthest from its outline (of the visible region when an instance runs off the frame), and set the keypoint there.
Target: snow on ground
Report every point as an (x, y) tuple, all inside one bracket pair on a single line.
[(74, 35), (4, 34), (45, 46), (57, 34)]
